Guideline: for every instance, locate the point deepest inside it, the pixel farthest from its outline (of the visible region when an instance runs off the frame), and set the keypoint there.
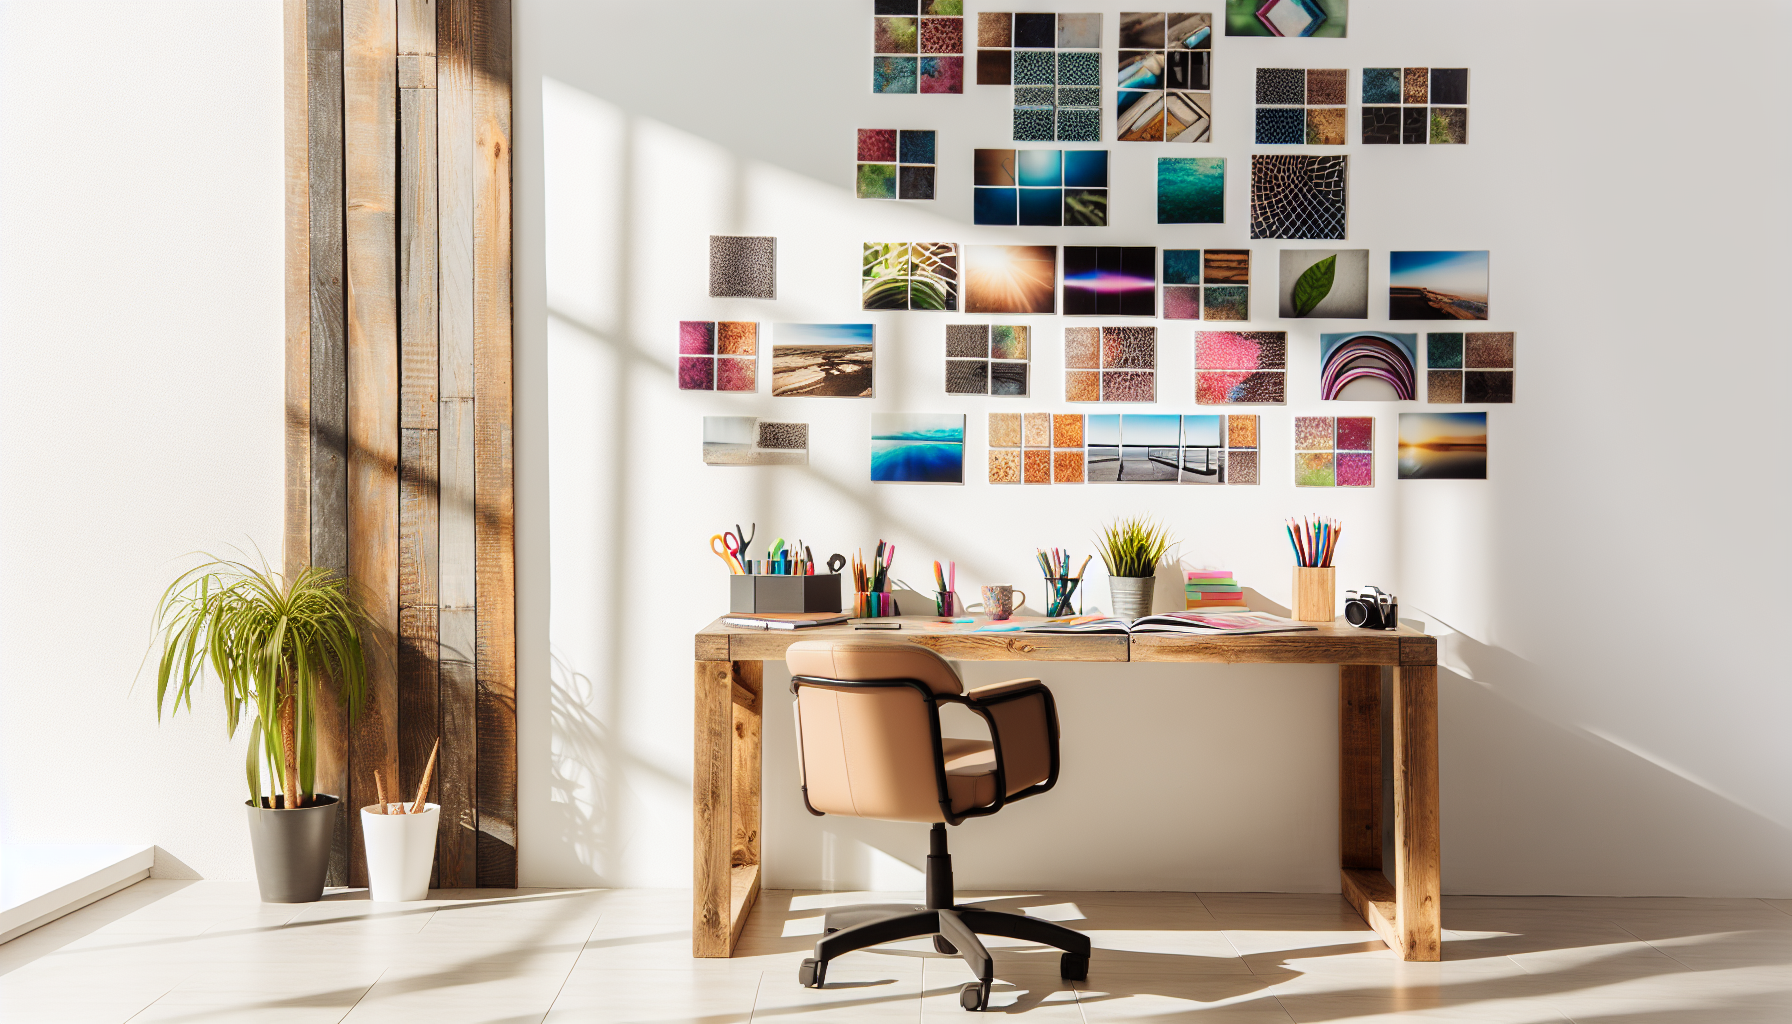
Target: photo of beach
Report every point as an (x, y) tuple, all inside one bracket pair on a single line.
[(1101, 435), (822, 360), (1443, 446), (1149, 448), (1437, 285), (917, 448)]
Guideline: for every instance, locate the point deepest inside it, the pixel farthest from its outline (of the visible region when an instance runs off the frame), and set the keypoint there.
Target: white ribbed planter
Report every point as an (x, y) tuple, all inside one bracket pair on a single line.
[(400, 848), (1131, 595)]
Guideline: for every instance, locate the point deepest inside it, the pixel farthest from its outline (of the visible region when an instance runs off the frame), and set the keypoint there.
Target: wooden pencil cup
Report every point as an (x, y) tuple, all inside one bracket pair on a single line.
[(1315, 593)]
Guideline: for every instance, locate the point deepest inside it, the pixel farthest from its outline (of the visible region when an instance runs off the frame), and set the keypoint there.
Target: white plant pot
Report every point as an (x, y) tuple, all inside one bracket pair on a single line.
[(400, 849)]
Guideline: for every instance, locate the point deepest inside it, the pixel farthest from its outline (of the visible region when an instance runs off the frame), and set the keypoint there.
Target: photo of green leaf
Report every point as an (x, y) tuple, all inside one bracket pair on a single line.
[(1314, 285)]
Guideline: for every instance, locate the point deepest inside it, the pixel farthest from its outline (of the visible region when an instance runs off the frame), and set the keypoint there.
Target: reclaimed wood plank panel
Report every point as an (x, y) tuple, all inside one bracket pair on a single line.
[(712, 798), (1315, 648), (493, 446), (419, 639), (416, 72), (457, 848), (295, 541), (416, 27), (1417, 848), (370, 187), (328, 386), (745, 806), (1370, 892), (1359, 766), (712, 648), (743, 892)]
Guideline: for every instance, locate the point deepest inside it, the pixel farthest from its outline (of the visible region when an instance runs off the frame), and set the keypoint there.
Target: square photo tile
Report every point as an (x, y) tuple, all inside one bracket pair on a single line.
[(1298, 196), (1368, 366), (1241, 367), (895, 164), (1010, 279), (1164, 76), (1191, 190), (1323, 284), (743, 266)]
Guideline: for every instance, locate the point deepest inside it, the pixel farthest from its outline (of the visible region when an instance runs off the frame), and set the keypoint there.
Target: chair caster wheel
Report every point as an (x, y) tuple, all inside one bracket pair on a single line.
[(812, 974), (1073, 967), (973, 996), (940, 945)]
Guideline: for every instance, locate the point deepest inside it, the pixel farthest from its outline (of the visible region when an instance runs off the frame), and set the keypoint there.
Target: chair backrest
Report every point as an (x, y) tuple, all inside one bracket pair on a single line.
[(869, 751)]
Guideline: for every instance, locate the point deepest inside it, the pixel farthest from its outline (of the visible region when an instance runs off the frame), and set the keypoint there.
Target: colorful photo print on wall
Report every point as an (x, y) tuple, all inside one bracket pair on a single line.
[(743, 267), (1040, 187), (1443, 446), (1110, 280), (1368, 366), (1299, 196), (1473, 368), (822, 360), (917, 448), (1191, 190), (1054, 63), (895, 164), (717, 356), (909, 275), (1110, 364), (1241, 367), (1325, 19), (750, 441), (1298, 106), (988, 359), (1415, 106), (1165, 77), (1011, 278), (1334, 451), (918, 46), (1050, 448), (1437, 285), (1212, 284), (1324, 284)]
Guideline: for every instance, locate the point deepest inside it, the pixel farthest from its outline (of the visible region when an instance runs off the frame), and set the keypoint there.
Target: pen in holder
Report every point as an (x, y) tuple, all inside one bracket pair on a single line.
[(945, 603), (1061, 589), (873, 604)]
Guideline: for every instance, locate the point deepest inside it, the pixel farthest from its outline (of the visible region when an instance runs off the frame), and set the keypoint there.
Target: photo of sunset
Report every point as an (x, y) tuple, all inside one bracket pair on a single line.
[(1443, 446), (1011, 278)]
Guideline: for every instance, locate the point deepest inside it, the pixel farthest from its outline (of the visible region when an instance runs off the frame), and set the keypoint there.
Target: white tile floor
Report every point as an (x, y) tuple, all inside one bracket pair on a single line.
[(209, 953)]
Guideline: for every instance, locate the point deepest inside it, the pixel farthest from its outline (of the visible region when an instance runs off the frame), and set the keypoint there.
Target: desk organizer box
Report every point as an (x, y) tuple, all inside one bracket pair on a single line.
[(784, 593)]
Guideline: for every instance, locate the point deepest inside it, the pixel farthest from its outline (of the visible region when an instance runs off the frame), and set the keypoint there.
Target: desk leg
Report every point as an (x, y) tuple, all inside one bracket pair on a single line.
[(1359, 800), (725, 793), (1417, 847)]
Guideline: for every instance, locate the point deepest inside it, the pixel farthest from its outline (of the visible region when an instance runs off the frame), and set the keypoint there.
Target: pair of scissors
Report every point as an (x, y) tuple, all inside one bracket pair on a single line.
[(836, 562), (743, 539), (729, 552)]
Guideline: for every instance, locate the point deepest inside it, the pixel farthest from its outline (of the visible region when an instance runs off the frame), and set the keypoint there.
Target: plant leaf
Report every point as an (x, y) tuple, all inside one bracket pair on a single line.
[(1314, 285)]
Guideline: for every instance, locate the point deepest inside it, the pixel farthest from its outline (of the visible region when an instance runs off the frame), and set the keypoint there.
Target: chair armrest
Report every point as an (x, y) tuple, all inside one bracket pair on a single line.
[(994, 690), (1023, 721)]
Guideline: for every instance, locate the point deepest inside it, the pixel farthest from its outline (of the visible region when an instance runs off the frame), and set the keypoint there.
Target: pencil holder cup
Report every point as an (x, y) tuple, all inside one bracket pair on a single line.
[(1315, 593), (1060, 589), (945, 603), (873, 604)]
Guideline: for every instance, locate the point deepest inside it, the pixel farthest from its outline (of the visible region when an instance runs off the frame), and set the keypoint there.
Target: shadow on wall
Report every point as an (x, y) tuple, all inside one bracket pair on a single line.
[(1505, 768)]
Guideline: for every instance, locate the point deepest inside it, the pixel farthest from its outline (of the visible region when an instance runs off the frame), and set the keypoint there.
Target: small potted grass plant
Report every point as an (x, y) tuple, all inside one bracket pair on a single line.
[(274, 644), (1131, 549)]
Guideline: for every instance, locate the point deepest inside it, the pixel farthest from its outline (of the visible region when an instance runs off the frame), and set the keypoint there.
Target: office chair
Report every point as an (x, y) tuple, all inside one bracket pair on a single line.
[(869, 746)]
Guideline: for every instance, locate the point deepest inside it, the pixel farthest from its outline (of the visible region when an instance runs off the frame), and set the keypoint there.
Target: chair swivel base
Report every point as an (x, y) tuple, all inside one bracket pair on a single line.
[(954, 930)]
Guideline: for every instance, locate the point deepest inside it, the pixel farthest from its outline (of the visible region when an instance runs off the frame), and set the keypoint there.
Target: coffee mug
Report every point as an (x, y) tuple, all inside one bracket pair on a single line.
[(999, 601)]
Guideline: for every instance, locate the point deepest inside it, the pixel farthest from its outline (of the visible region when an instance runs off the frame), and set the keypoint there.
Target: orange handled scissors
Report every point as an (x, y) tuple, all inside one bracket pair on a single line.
[(728, 551)]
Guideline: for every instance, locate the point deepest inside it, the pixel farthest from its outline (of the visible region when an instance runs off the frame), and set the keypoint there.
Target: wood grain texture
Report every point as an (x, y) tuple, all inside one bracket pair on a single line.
[(295, 543), (370, 108), (743, 892), (457, 852), (1373, 897), (417, 26), (327, 386), (493, 446), (1417, 846), (1315, 593), (711, 648), (1324, 647), (712, 814), (417, 233), (419, 685), (1359, 766), (1418, 650), (748, 677), (416, 72)]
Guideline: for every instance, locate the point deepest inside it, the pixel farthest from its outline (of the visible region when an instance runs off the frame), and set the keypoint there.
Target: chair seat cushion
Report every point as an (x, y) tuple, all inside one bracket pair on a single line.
[(970, 772)]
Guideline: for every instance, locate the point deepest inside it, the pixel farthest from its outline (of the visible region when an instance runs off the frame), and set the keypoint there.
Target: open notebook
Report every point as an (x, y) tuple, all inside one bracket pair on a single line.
[(1194, 623)]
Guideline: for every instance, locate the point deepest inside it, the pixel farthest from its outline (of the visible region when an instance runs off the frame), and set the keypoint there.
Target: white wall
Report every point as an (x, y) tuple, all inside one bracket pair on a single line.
[(1595, 737), (140, 377)]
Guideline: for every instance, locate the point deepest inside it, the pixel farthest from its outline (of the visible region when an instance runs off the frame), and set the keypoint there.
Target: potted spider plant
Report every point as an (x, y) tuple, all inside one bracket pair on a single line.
[(273, 643), (1131, 549)]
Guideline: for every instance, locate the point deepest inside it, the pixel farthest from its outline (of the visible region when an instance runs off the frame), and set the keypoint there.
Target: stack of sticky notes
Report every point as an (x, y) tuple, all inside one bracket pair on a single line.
[(1213, 590)]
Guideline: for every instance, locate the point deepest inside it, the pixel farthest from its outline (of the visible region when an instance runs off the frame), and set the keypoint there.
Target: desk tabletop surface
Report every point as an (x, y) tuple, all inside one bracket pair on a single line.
[(1331, 643)]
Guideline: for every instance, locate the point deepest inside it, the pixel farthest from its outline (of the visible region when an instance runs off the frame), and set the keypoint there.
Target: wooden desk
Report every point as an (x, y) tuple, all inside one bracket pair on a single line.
[(1405, 912)]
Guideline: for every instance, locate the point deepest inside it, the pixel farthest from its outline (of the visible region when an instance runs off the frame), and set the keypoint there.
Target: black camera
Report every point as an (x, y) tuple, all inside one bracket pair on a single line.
[(1371, 608)]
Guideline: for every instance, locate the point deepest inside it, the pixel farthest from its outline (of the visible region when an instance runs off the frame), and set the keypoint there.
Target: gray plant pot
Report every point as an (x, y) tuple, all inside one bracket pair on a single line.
[(292, 848), (1132, 595)]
